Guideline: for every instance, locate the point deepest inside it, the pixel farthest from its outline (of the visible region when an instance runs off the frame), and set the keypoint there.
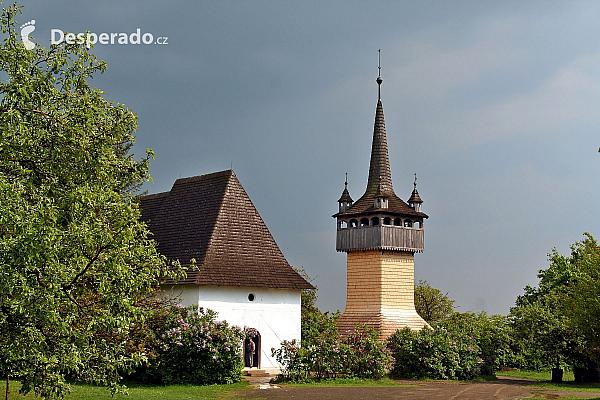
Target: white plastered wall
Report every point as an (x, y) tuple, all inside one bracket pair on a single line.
[(275, 313)]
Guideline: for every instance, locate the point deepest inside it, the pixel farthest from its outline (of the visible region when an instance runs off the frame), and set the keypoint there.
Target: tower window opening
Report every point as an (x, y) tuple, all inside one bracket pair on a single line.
[(375, 221), (387, 221), (408, 223), (343, 224), (397, 222), (353, 223), (364, 222), (417, 224)]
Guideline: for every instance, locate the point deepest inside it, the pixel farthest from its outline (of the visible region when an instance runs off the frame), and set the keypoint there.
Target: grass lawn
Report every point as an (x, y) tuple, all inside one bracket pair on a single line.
[(139, 392), (536, 375), (544, 382)]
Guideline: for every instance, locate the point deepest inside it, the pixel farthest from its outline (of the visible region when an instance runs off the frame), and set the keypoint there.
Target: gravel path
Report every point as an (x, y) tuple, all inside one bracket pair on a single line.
[(502, 389)]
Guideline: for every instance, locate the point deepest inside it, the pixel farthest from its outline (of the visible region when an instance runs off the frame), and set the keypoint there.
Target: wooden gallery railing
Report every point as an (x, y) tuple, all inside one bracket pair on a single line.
[(380, 237)]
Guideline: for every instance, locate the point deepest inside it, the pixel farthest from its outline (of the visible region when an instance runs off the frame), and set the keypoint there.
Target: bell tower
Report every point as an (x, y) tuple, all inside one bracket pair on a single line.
[(380, 233)]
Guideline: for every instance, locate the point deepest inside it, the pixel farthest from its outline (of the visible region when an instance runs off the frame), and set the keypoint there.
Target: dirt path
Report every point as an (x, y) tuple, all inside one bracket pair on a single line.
[(503, 389)]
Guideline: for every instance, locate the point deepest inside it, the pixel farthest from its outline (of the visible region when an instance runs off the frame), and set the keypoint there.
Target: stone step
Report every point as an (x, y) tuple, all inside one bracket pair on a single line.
[(256, 372)]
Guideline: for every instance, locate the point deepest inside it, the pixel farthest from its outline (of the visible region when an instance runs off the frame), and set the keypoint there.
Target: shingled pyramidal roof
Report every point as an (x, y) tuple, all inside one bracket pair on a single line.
[(211, 218), (380, 176)]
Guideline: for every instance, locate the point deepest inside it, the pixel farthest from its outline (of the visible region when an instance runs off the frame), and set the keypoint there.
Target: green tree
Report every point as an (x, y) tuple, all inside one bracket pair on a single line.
[(581, 302), (75, 262), (543, 337), (314, 321), (431, 304), (543, 317)]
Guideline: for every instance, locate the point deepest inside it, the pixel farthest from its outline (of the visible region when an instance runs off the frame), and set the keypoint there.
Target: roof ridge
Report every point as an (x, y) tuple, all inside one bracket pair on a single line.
[(155, 195), (211, 238), (203, 177)]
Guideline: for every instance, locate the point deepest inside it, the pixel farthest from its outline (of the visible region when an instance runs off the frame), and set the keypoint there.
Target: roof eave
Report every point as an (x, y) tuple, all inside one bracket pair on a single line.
[(381, 211)]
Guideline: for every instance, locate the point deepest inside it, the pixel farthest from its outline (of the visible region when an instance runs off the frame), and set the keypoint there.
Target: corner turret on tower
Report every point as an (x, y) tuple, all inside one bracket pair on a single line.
[(415, 200), (345, 200)]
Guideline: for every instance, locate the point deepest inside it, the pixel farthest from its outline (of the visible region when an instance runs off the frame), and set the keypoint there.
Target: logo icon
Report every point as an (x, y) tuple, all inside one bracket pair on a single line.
[(26, 29)]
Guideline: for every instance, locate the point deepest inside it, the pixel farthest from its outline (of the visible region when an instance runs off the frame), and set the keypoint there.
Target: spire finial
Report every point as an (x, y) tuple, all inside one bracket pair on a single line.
[(415, 183), (379, 80), (346, 183)]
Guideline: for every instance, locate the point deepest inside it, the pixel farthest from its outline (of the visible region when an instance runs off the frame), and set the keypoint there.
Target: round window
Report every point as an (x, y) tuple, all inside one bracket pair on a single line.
[(251, 297)]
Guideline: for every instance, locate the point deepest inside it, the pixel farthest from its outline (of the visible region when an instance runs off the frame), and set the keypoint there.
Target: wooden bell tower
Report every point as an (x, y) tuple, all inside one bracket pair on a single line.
[(380, 233)]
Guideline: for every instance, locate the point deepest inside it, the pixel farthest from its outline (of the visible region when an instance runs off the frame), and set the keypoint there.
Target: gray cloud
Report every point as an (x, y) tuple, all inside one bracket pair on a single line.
[(493, 104)]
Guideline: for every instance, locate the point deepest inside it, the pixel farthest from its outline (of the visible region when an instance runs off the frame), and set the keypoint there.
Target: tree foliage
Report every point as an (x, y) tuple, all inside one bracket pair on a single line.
[(431, 304), (582, 303), (314, 321), (556, 322), (75, 262)]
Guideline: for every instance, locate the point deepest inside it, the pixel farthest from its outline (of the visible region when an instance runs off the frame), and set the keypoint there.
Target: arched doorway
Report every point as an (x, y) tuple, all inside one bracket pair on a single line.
[(256, 357)]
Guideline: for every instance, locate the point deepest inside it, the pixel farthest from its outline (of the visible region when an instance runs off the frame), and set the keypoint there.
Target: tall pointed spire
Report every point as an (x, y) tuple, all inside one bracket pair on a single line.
[(379, 168)]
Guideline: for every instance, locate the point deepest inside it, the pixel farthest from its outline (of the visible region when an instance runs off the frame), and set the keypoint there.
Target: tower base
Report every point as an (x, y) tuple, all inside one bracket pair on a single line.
[(380, 292), (386, 323)]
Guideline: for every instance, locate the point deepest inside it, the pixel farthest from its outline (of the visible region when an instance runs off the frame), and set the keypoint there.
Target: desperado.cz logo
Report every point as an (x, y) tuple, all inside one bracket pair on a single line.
[(89, 38)]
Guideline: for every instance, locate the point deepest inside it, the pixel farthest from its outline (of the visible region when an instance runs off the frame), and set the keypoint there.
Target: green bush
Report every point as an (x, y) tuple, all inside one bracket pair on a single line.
[(495, 341), (357, 354), (491, 333), (463, 346)]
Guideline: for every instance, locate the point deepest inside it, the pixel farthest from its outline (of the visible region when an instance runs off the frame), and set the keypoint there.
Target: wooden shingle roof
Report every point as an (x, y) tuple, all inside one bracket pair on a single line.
[(380, 178), (211, 219)]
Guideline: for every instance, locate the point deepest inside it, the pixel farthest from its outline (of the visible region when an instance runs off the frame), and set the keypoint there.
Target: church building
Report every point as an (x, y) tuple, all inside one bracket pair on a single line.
[(380, 234), (240, 271)]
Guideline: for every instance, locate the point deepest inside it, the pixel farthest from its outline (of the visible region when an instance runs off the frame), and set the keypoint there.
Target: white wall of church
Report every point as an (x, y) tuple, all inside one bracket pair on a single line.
[(275, 313)]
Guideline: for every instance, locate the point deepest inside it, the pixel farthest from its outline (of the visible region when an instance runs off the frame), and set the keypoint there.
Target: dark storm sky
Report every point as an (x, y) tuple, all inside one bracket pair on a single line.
[(495, 105)]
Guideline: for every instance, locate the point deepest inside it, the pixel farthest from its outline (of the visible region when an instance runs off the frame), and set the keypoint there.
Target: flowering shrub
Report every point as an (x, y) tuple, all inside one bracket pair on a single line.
[(329, 354), (193, 347), (367, 356), (464, 346), (358, 354), (250, 333), (293, 359), (494, 337)]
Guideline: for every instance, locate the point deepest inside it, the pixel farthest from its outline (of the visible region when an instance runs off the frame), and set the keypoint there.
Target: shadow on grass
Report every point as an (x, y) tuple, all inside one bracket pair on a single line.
[(549, 396), (569, 386), (542, 380)]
